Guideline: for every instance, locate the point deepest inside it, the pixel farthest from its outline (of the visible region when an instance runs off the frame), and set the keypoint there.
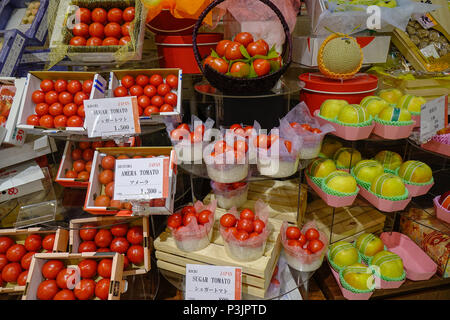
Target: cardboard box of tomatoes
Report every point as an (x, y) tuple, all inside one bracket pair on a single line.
[(129, 236), (53, 101), (76, 276), (158, 92), (99, 196), (17, 247)]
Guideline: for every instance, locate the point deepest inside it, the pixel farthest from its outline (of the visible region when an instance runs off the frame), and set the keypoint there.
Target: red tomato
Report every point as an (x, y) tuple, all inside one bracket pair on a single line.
[(261, 66), (83, 15), (80, 97), (87, 246), (312, 234), (125, 31), (33, 242), (103, 238), (128, 14), (84, 290), (5, 244), (94, 41), (302, 239), (166, 108), (316, 130), (120, 91), (120, 245), (84, 145), (99, 15), (172, 81), (3, 262), (124, 40), (22, 278), (253, 234), (77, 154), (80, 111), (77, 41), (293, 233), (108, 162), (203, 217), (143, 101), (247, 214), (188, 218), (106, 176), (136, 254), (294, 243), (245, 225), (163, 89), (81, 29), (47, 290), (16, 252), (241, 145), (102, 289), (66, 278), (257, 48), (222, 47), (96, 29), (60, 121), (87, 86), (11, 272), (259, 225), (126, 262), (110, 41), (219, 65), (127, 81), (119, 230), (51, 269), (55, 109), (88, 268), (104, 268), (244, 38), (75, 121), (307, 251), (136, 90), (26, 260), (315, 245), (97, 144), (156, 80), (33, 120), (242, 235), (51, 97), (88, 154), (83, 175), (88, 166), (174, 221), (109, 189), (64, 294), (38, 96), (48, 242), (157, 101), (115, 15), (79, 165), (171, 98), (188, 209), (135, 235), (41, 109), (113, 29), (47, 85), (74, 86), (142, 80), (233, 51)]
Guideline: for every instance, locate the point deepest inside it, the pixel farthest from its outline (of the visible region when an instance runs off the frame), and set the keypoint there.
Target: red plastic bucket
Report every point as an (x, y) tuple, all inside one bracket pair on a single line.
[(319, 88), (177, 52), (166, 23)]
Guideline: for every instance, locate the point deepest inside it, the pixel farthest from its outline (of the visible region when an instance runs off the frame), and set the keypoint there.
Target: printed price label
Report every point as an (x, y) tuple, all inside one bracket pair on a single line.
[(141, 179), (205, 282), (112, 117), (433, 117), (425, 20)]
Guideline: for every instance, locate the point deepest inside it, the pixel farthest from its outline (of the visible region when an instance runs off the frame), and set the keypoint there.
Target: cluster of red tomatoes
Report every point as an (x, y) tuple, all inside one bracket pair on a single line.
[(180, 220), (182, 131), (228, 186), (6, 100), (266, 141), (243, 48), (154, 94), (61, 281), (102, 28), (309, 241), (15, 258), (60, 103), (120, 238), (239, 148), (246, 227), (305, 126)]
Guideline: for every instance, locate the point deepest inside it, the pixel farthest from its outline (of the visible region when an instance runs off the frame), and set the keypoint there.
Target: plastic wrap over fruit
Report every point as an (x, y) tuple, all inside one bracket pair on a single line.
[(195, 122), (353, 17)]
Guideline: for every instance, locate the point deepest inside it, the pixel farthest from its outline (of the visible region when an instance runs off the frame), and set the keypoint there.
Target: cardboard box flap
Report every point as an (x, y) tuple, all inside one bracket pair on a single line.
[(19, 175)]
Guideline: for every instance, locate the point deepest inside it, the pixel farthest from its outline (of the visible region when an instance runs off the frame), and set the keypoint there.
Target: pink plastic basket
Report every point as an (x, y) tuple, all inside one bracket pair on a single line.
[(415, 191), (392, 132), (331, 200), (417, 263), (417, 120), (384, 204), (441, 213), (347, 293), (437, 147)]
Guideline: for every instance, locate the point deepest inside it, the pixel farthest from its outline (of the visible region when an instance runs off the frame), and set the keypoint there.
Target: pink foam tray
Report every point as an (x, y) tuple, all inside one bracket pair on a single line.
[(347, 293), (331, 200), (384, 204), (418, 265), (415, 191), (392, 132), (383, 284), (441, 213), (417, 120), (347, 132), (437, 147)]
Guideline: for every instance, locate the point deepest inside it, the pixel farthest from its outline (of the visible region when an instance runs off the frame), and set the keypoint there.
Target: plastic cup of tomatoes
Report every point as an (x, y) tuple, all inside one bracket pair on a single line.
[(192, 226), (304, 249), (245, 234), (230, 195)]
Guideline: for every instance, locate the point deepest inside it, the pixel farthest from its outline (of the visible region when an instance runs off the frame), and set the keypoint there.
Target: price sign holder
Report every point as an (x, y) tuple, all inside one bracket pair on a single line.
[(141, 179), (433, 117), (205, 282), (111, 117)]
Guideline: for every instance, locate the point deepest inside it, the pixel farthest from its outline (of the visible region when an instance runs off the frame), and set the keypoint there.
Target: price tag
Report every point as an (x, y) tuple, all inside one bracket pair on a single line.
[(425, 20), (433, 117), (205, 282), (141, 179), (112, 117)]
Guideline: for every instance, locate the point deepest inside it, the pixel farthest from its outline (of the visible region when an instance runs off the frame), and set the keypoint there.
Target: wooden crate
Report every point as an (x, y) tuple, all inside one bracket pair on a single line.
[(349, 222), (280, 196), (35, 277), (19, 236), (75, 239), (256, 275)]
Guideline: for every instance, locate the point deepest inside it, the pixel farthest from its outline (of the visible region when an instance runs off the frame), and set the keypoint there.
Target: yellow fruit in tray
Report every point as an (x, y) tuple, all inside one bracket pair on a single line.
[(329, 147), (367, 170), (389, 159), (390, 95), (373, 105), (388, 185), (341, 181), (390, 264), (411, 103), (343, 254), (340, 56), (330, 108), (321, 167), (343, 156), (415, 171), (353, 113), (359, 276), (369, 244), (394, 114)]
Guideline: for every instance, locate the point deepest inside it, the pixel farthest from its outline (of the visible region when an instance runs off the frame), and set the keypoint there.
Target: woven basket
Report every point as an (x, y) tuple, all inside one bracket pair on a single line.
[(241, 86)]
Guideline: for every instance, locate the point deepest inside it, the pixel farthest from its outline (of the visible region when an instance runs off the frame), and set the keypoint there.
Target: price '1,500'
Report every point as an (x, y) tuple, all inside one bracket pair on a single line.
[(121, 127)]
